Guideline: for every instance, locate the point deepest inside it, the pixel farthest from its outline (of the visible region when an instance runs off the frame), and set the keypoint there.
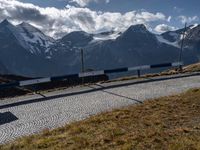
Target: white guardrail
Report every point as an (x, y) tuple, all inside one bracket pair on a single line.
[(88, 74)]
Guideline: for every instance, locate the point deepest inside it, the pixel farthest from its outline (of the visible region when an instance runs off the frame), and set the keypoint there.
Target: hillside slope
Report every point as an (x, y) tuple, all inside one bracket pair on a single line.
[(165, 123)]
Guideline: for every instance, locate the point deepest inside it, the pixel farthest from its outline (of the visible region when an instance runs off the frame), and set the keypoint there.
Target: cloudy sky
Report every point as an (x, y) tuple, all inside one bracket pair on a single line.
[(59, 17)]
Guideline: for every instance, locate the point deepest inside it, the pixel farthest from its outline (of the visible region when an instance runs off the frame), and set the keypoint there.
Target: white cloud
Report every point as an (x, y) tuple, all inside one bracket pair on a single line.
[(169, 18), (177, 9), (58, 22), (164, 28), (84, 3), (185, 19)]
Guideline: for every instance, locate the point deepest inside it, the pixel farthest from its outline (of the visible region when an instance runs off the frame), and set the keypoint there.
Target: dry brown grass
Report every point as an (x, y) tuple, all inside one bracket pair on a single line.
[(187, 69), (194, 68), (165, 123)]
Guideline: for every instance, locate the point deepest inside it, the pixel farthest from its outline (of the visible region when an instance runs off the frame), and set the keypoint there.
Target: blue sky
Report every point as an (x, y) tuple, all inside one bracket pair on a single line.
[(190, 6), (158, 15), (187, 7)]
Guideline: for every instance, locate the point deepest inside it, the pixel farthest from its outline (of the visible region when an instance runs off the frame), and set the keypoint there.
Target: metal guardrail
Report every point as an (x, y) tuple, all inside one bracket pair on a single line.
[(87, 74)]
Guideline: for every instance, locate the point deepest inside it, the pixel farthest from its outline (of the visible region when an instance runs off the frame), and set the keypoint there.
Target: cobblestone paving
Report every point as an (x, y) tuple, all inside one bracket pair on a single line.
[(37, 115)]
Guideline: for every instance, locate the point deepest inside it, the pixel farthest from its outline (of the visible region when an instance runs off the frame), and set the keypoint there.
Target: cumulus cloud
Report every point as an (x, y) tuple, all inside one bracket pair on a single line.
[(185, 19), (84, 3), (164, 28), (58, 22)]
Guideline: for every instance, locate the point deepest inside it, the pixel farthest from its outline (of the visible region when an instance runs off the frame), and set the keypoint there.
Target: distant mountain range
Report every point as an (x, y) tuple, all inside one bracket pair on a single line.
[(26, 51)]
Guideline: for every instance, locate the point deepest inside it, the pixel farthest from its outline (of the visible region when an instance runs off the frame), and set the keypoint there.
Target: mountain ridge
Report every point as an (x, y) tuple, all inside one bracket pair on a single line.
[(37, 54)]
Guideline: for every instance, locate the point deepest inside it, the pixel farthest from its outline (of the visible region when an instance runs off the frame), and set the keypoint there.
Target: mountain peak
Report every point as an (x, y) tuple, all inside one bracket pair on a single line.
[(106, 33), (137, 34), (28, 26), (25, 24), (78, 33), (137, 28), (78, 38), (5, 22)]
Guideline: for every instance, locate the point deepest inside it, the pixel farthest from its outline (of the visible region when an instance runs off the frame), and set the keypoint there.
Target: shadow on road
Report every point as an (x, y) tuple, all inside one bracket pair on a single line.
[(7, 117), (115, 94), (101, 88)]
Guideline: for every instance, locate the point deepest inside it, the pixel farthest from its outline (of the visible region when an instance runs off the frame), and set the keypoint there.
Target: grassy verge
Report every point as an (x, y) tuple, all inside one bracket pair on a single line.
[(187, 69), (165, 123)]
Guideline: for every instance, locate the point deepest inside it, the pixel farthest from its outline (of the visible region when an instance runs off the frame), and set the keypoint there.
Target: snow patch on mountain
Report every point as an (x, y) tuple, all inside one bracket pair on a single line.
[(193, 26), (106, 36), (34, 38), (15, 32), (162, 40)]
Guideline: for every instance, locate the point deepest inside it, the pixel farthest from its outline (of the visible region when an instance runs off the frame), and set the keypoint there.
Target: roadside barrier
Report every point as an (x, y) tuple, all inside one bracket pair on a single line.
[(87, 74)]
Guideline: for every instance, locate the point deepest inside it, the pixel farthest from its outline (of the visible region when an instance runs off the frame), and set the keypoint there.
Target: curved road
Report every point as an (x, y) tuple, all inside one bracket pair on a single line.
[(34, 113)]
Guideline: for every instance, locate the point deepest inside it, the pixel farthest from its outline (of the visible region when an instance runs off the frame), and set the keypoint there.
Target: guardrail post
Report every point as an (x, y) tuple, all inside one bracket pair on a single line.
[(80, 76), (139, 74), (181, 68)]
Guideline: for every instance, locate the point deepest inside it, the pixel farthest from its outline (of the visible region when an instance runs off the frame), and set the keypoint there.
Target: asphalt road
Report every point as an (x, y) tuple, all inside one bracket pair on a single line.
[(33, 113)]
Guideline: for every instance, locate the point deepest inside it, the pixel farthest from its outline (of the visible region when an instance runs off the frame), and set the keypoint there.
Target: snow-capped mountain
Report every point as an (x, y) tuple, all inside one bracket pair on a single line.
[(136, 46), (192, 38), (26, 51), (174, 38), (29, 37), (33, 39), (18, 59)]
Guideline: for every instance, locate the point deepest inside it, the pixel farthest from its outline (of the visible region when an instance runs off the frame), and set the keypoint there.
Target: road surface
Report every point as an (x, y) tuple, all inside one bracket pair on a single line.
[(33, 113)]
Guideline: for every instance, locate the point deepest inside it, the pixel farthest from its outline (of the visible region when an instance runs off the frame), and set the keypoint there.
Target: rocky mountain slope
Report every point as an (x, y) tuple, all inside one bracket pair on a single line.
[(26, 51), (17, 56)]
